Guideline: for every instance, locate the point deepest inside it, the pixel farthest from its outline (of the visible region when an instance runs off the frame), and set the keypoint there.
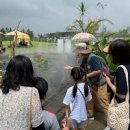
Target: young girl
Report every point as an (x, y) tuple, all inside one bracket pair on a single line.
[(77, 96)]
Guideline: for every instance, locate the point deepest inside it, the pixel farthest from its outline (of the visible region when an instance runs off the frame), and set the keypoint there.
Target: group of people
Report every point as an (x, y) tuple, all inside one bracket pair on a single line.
[(98, 82), (22, 94)]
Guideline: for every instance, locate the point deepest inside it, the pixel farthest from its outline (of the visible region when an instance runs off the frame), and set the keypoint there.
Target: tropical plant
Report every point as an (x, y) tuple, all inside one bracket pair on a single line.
[(79, 25), (97, 48), (82, 10), (94, 25)]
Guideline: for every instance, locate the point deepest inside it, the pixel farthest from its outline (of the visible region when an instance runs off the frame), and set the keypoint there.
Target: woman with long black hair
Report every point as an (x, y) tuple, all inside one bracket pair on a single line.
[(119, 51), (20, 107)]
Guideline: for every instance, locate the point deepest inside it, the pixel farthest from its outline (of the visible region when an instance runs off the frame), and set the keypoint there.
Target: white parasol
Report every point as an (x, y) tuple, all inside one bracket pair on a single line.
[(83, 37)]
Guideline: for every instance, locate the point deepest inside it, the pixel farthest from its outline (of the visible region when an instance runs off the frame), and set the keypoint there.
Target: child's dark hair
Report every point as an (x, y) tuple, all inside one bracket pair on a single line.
[(78, 73), (42, 86)]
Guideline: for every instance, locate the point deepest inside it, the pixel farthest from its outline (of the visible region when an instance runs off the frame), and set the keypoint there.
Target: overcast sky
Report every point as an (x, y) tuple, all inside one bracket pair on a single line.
[(44, 16)]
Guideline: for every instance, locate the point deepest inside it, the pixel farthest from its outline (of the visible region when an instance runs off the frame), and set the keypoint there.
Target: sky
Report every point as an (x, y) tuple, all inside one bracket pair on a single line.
[(45, 16)]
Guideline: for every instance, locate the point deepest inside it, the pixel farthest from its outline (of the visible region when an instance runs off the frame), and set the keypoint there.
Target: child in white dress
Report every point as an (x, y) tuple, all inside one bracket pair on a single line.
[(77, 96)]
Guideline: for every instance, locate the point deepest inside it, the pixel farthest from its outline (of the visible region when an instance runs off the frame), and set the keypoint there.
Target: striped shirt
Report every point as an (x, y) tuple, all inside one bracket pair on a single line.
[(78, 105)]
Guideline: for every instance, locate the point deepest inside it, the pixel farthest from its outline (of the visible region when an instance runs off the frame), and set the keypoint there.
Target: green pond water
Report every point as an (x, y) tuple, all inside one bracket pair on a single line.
[(47, 63)]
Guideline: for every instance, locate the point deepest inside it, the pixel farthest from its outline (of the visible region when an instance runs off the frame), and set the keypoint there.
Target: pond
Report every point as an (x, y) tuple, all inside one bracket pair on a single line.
[(48, 63)]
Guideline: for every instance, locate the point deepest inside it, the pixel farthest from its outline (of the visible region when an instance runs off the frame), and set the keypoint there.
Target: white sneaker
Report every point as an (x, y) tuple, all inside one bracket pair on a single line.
[(107, 128)]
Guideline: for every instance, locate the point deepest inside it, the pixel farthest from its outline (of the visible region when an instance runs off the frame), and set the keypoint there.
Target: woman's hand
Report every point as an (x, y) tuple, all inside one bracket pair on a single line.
[(68, 67), (108, 80), (110, 84), (65, 128)]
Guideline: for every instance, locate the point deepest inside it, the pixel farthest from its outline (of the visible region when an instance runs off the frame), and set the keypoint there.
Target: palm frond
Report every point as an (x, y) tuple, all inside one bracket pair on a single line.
[(94, 25), (82, 9)]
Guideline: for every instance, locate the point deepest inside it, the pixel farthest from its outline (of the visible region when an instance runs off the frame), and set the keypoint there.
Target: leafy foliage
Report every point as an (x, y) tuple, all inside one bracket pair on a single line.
[(80, 26), (94, 25), (98, 46)]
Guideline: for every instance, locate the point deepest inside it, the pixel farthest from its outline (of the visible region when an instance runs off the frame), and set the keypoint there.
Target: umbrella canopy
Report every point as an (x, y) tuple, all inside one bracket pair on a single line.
[(20, 35), (83, 37), (13, 33)]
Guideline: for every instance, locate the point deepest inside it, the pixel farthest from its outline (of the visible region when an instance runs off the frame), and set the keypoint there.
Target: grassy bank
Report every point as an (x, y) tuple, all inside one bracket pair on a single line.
[(37, 47)]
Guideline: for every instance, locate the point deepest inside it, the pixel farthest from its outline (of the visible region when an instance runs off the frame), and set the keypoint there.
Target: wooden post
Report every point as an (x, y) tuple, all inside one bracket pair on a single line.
[(13, 45)]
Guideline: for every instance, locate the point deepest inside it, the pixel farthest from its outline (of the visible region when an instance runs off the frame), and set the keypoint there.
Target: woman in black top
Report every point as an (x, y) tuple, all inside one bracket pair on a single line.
[(119, 51)]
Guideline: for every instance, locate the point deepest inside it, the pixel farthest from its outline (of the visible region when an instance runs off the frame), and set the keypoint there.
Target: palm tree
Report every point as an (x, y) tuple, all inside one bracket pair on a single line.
[(82, 10), (79, 25)]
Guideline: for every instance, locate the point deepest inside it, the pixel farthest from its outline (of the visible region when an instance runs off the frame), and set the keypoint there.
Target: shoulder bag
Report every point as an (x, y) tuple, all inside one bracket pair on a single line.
[(118, 113), (30, 109)]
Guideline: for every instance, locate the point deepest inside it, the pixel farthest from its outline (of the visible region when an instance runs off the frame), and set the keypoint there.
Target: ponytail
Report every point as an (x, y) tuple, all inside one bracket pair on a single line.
[(78, 73), (86, 87), (75, 90)]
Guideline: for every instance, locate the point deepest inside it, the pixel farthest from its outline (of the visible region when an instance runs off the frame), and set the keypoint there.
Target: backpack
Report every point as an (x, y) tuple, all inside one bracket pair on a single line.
[(99, 80)]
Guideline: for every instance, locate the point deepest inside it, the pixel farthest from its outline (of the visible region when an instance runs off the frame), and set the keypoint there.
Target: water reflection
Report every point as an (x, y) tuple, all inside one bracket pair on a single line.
[(50, 66)]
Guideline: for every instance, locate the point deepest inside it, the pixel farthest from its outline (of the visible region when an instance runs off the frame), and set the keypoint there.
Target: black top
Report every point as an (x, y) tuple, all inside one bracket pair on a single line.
[(121, 82)]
